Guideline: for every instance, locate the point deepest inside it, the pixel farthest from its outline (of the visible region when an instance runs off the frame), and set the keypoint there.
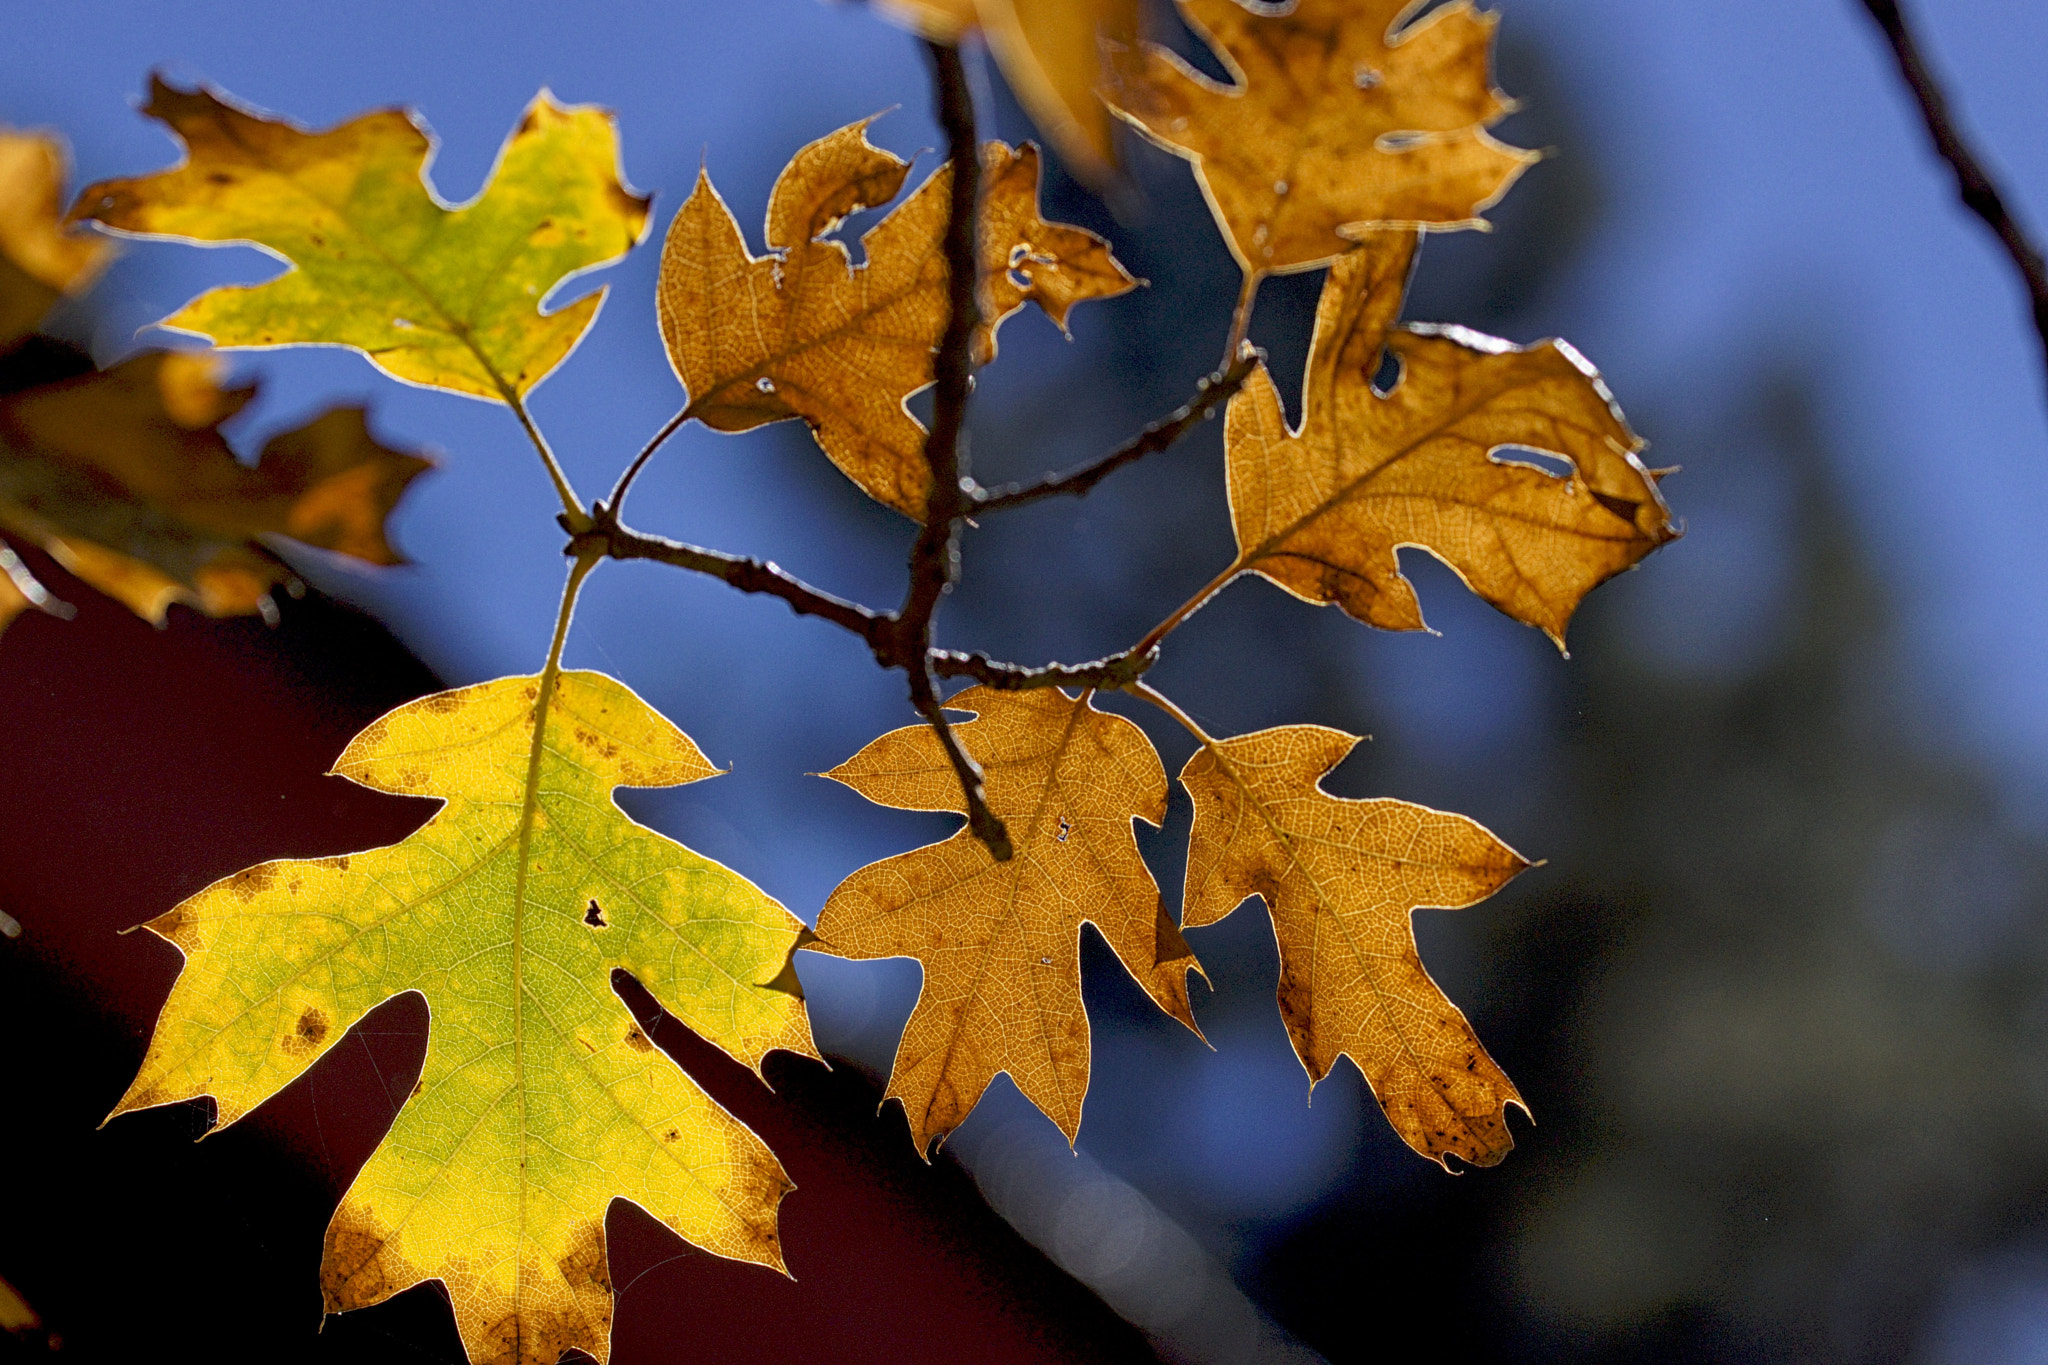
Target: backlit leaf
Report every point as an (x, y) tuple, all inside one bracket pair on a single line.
[(437, 295), (1000, 942), (803, 332), (1431, 463), (1342, 879), (541, 1100), (1336, 121)]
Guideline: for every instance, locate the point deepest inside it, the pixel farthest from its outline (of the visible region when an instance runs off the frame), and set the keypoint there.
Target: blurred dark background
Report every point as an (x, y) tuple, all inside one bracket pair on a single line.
[(1778, 996)]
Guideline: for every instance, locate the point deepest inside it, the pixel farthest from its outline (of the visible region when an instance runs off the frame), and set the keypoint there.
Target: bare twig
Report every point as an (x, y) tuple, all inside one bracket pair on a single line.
[(1112, 672), (1215, 390), (1241, 316), (606, 536), (1973, 184), (934, 559)]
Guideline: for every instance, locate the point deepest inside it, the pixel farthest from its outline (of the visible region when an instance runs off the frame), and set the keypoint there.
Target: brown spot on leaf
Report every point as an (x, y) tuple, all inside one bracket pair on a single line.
[(637, 1040), (419, 1088), (584, 1266), (361, 1267), (254, 882), (440, 702), (307, 1034), (670, 1136)]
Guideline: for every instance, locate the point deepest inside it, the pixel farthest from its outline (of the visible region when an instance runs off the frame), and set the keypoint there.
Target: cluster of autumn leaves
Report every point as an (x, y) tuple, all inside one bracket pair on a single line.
[(1343, 134)]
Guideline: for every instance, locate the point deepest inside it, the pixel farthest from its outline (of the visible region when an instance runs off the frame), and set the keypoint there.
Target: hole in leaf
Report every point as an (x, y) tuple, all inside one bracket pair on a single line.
[(1557, 466), (1065, 829), (594, 917), (1387, 375)]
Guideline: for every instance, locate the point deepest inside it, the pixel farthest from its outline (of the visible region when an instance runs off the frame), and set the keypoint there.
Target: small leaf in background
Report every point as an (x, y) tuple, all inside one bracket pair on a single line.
[(541, 1100), (40, 261), (1000, 943), (1321, 511), (124, 478), (1342, 880), (803, 332), (1333, 124), (1052, 53), (442, 296)]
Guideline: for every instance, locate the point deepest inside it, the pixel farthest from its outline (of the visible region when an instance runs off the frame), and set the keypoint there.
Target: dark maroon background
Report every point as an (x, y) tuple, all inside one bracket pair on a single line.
[(136, 766)]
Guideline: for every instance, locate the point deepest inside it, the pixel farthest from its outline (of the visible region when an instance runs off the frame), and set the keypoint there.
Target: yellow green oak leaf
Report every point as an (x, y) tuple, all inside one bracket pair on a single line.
[(540, 1100), (444, 296)]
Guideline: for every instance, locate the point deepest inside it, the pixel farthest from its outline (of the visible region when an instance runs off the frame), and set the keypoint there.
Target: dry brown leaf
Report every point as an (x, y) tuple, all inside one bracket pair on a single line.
[(803, 332), (1000, 942), (1321, 511), (1336, 123), (124, 478), (39, 261), (1342, 879)]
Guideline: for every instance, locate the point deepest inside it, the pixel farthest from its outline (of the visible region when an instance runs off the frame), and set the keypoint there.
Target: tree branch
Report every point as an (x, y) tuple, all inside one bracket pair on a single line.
[(1213, 391), (934, 559), (1973, 184), (607, 537)]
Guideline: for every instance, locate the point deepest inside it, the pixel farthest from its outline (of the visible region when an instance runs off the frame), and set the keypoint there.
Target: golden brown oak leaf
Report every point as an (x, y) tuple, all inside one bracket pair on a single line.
[(437, 295), (803, 332), (124, 478), (1342, 880), (1321, 511), (1052, 54), (1000, 942), (540, 1099), (1337, 121), (40, 261)]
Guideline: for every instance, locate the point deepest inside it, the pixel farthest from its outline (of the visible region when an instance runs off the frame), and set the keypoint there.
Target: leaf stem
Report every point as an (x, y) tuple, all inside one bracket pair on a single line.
[(668, 429), (1241, 316), (1139, 688), (1158, 633), (1974, 185)]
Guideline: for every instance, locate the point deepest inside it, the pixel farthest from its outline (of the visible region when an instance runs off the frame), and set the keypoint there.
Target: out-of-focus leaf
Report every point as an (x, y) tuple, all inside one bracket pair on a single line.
[(442, 296), (1342, 880), (1000, 942), (1336, 121), (803, 332), (124, 478), (1321, 511), (1051, 52), (40, 261), (540, 1100)]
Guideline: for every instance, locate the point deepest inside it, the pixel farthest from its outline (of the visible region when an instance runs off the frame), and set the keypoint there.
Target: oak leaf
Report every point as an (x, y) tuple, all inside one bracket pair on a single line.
[(1336, 121), (1052, 54), (438, 295), (1342, 879), (1322, 510), (803, 332), (540, 1100), (123, 477), (40, 261), (1000, 942)]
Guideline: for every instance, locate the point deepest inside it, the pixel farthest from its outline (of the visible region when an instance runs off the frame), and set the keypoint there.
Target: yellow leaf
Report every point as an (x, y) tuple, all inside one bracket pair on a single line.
[(540, 1100), (1000, 942), (39, 261), (1342, 880), (1335, 123), (1321, 511), (803, 332), (124, 478), (442, 296)]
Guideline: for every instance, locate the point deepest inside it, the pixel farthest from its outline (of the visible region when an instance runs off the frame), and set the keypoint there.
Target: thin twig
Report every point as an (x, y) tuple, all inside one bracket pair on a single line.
[(1114, 671), (1973, 184), (934, 558), (608, 538), (1215, 390)]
